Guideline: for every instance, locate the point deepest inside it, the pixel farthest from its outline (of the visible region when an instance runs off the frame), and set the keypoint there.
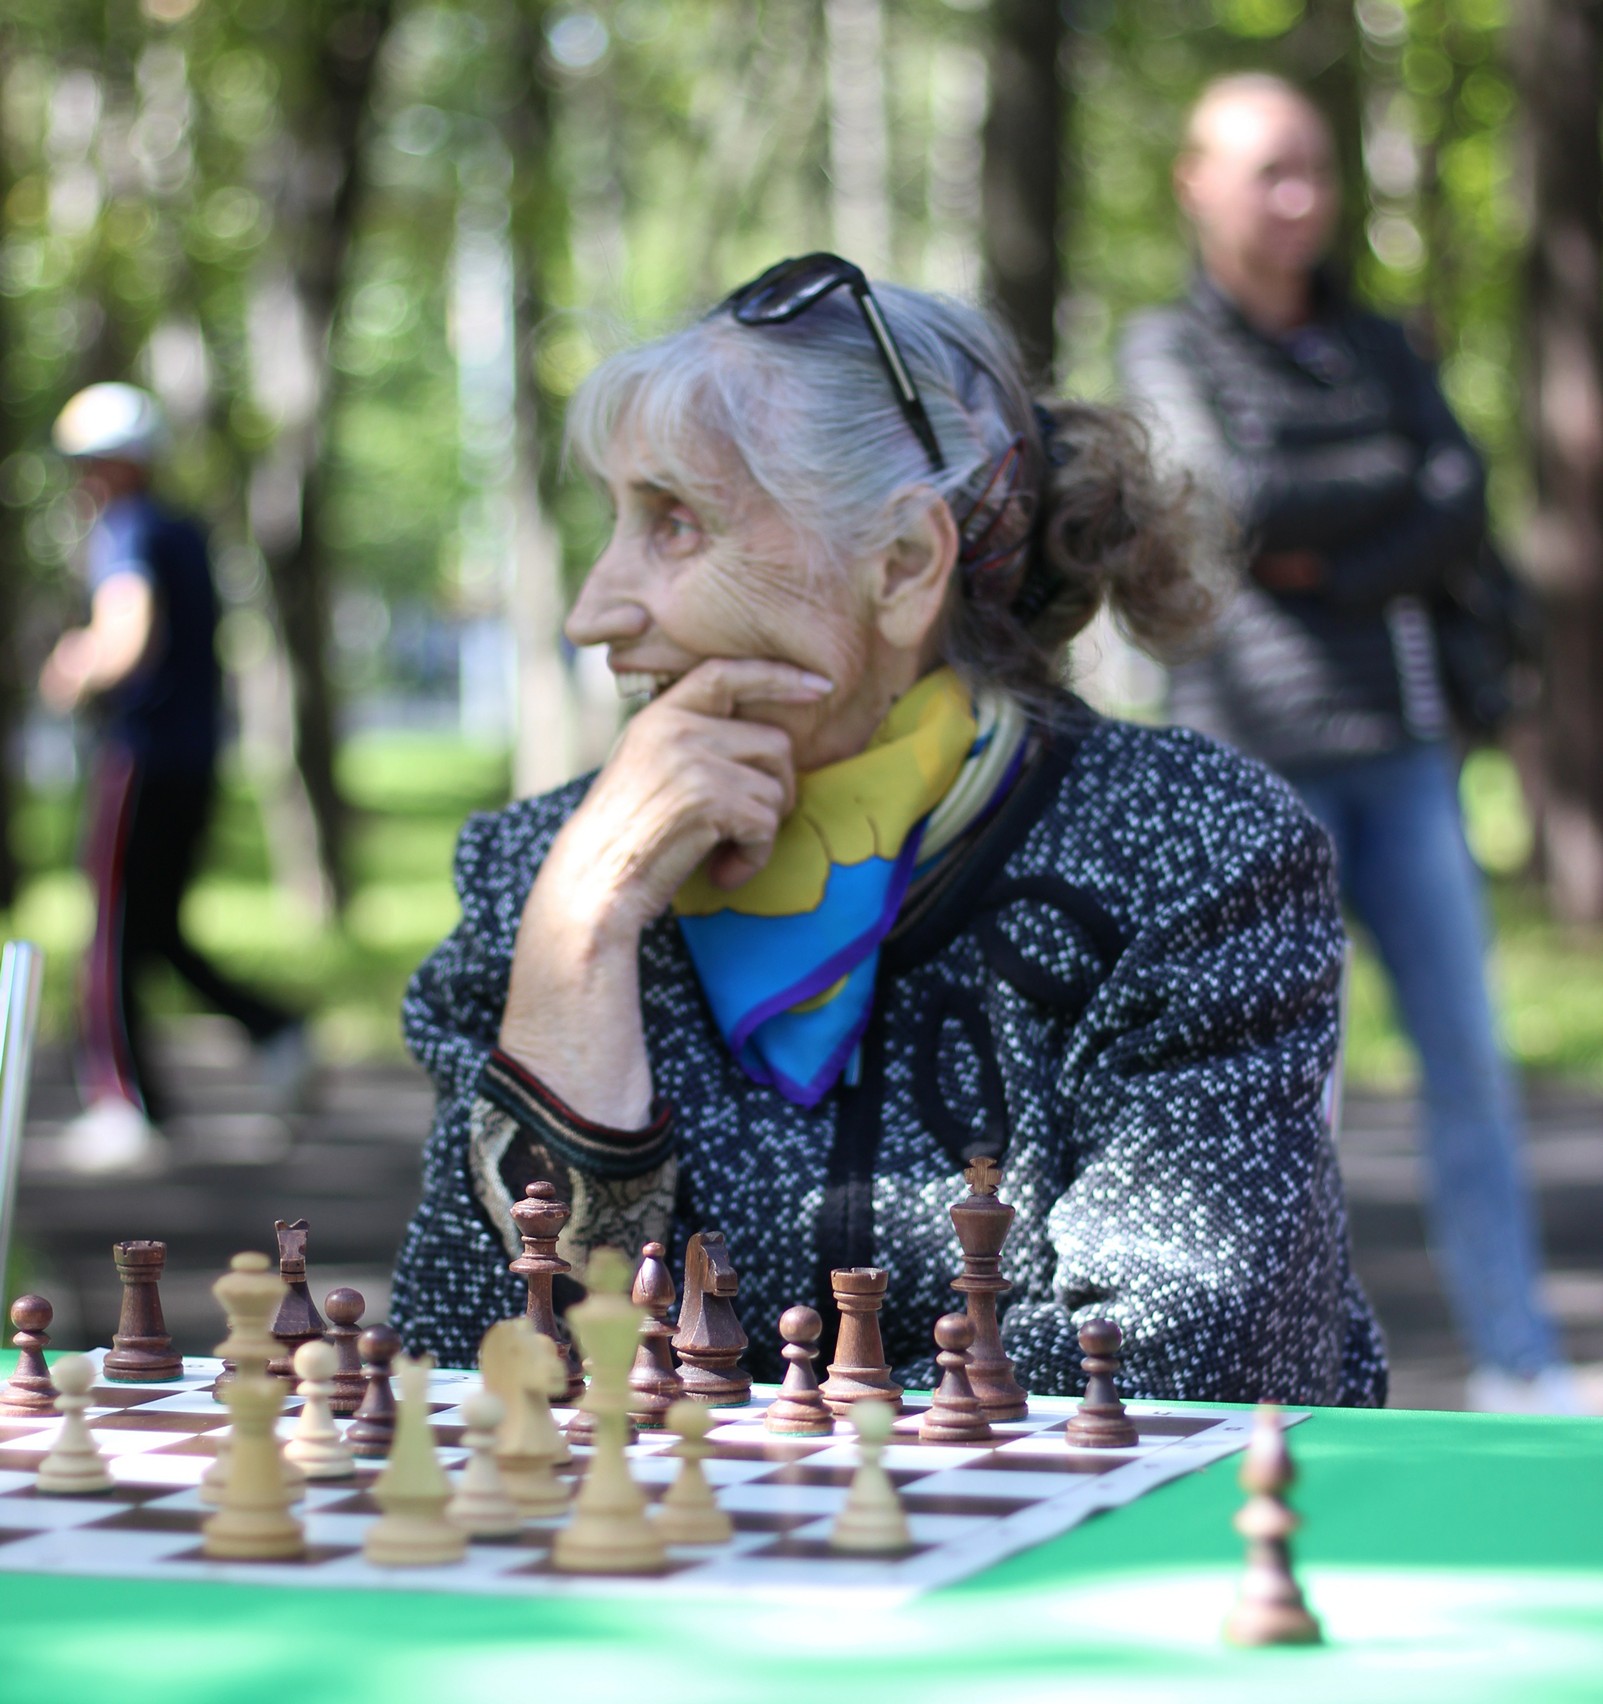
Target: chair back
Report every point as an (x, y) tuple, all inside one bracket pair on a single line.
[(21, 980)]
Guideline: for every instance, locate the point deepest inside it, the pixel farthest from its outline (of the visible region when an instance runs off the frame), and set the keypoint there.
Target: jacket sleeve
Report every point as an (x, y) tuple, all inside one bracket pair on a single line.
[(1204, 1213), (1311, 498), (496, 1127), (1446, 512)]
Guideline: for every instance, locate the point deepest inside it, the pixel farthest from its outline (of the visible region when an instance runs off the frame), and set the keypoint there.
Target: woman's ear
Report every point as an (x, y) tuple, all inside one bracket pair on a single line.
[(910, 579)]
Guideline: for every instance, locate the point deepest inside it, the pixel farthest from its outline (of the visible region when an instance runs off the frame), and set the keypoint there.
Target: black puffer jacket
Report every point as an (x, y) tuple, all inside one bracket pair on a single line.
[(1337, 440), (1126, 990)]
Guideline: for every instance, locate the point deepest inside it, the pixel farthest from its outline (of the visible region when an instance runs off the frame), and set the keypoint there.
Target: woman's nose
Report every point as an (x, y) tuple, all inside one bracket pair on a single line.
[(608, 607)]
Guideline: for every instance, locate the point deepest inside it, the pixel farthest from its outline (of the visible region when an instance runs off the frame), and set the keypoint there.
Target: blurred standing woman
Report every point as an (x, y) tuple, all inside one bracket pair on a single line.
[(1357, 492), (862, 892)]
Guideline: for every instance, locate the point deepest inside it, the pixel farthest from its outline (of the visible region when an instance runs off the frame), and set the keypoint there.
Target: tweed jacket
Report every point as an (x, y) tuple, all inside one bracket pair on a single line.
[(1126, 992)]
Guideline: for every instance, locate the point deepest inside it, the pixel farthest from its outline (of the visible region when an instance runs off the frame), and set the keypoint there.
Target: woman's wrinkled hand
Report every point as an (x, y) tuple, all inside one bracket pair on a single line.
[(690, 779)]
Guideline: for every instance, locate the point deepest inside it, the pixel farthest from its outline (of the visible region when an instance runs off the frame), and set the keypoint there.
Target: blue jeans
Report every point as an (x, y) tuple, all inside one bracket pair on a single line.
[(1407, 872)]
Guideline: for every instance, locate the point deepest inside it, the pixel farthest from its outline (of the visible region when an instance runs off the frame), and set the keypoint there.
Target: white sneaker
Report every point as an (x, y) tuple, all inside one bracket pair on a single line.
[(1554, 1390), (287, 1066), (113, 1136)]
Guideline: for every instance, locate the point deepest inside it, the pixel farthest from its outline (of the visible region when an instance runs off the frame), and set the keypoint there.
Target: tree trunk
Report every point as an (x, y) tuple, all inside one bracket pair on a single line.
[(1559, 64), (322, 239), (1322, 53), (12, 691), (547, 742), (1022, 179)]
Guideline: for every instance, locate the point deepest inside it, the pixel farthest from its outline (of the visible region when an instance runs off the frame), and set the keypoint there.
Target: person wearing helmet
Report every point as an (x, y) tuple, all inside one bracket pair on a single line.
[(144, 669)]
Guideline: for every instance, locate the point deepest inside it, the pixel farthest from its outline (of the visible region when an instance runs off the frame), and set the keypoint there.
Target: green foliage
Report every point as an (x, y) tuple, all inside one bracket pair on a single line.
[(643, 155), (657, 149)]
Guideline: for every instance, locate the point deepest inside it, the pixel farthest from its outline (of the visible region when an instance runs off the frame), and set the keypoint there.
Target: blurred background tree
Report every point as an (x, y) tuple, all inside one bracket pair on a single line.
[(365, 249)]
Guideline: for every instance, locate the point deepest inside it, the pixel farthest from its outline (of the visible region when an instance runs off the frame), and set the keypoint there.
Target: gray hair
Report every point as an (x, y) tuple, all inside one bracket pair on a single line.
[(806, 409)]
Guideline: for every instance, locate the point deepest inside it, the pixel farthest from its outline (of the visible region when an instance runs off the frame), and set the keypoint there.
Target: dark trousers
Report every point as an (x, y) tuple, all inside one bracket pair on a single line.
[(143, 838)]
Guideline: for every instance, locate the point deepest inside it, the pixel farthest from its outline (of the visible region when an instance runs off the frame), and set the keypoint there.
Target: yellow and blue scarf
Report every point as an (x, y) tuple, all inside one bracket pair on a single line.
[(787, 960)]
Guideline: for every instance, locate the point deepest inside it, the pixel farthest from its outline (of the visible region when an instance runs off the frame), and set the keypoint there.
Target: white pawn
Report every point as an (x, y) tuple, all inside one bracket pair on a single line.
[(481, 1506), (316, 1446), (689, 1513), (871, 1521), (74, 1463)]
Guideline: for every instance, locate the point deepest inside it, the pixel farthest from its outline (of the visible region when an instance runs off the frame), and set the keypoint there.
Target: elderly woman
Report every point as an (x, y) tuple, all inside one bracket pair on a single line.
[(863, 893)]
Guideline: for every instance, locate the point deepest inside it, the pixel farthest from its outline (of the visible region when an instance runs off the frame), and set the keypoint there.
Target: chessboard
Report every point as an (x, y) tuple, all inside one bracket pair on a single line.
[(968, 1506)]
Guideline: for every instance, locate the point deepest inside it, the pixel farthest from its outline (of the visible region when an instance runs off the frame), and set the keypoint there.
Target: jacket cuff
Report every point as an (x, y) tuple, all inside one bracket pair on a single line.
[(598, 1149)]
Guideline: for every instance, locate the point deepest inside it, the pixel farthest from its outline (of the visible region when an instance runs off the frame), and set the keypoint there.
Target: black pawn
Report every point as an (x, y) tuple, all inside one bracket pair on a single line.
[(373, 1430), (955, 1415), (344, 1308), (1100, 1422), (800, 1409), (30, 1390)]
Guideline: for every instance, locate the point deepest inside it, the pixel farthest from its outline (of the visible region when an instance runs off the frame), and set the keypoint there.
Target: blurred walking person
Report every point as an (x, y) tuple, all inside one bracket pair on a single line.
[(1356, 492), (145, 671)]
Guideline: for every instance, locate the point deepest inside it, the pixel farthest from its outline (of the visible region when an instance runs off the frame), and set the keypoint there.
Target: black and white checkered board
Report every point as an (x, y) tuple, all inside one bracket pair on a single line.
[(968, 1505)]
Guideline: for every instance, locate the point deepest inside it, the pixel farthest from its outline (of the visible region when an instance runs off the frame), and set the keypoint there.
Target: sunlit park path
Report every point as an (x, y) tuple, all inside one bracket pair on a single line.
[(350, 1167)]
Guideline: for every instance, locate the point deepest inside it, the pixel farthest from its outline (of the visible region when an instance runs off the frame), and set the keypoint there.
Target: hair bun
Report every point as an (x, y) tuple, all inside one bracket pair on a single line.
[(1114, 529)]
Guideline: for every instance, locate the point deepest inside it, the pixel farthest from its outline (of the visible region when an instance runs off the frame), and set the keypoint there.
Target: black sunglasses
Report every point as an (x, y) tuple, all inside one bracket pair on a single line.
[(790, 287)]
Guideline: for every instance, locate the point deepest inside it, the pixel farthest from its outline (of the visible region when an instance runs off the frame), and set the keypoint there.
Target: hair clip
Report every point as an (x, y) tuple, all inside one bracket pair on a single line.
[(1057, 452)]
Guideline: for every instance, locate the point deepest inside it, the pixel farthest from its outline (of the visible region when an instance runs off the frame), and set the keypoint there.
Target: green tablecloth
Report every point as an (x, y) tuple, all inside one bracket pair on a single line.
[(1452, 1557)]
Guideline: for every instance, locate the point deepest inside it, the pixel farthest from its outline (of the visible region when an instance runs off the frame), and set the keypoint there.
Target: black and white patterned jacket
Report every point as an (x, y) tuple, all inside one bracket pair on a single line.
[(1127, 992)]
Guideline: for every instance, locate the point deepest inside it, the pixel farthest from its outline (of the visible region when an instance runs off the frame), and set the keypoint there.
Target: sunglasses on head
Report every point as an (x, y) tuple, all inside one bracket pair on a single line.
[(790, 287)]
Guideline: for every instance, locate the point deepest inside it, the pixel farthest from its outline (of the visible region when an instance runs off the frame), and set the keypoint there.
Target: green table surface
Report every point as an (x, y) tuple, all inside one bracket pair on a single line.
[(1451, 1557)]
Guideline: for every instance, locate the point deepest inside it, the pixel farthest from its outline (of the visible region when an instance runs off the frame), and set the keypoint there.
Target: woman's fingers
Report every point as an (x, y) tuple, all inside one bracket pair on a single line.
[(692, 778), (724, 686), (757, 745)]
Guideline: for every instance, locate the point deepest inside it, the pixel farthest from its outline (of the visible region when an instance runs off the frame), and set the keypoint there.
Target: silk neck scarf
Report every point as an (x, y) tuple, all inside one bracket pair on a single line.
[(787, 960)]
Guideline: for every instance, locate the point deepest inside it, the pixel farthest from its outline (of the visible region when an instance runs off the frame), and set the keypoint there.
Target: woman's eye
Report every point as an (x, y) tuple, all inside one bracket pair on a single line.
[(677, 527)]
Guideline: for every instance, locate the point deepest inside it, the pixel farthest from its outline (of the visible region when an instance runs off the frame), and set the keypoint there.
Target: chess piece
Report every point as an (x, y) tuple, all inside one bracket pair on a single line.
[(74, 1464), (688, 1512), (709, 1341), (653, 1380), (249, 1293), (871, 1522), (523, 1369), (315, 1446), (344, 1308), (1271, 1609), (609, 1532), (480, 1505), (799, 1409), (540, 1217), (1100, 1422), (859, 1373), (373, 1430), (413, 1490), (29, 1390), (141, 1349), (954, 1415), (982, 1223), (253, 1522), (297, 1320)]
